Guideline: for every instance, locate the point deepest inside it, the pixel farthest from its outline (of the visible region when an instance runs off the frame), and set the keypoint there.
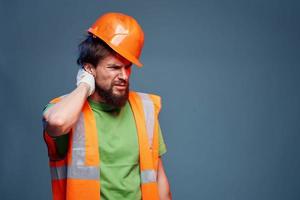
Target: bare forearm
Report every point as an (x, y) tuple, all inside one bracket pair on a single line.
[(163, 184), (164, 191), (63, 115)]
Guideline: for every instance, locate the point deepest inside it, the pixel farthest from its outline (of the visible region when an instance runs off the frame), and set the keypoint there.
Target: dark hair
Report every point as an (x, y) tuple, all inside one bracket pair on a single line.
[(92, 50)]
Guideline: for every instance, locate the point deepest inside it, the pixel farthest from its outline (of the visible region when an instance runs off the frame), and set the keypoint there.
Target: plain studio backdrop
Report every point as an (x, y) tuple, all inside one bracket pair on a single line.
[(227, 71)]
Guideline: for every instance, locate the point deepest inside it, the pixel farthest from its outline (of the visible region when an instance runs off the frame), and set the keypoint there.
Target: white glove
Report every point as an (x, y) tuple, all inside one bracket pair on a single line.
[(85, 77)]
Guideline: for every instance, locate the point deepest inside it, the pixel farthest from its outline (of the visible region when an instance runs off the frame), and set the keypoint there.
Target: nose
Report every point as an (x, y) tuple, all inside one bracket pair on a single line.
[(124, 73)]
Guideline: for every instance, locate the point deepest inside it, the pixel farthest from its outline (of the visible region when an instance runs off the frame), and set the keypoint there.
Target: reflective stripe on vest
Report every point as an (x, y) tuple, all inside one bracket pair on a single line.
[(148, 107), (77, 169), (148, 176), (76, 172)]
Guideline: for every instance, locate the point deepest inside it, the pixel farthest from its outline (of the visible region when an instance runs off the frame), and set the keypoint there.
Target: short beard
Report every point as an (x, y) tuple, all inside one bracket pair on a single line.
[(110, 98)]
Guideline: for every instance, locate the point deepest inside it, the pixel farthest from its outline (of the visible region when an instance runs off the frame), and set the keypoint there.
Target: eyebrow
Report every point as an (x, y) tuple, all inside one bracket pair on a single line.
[(116, 65)]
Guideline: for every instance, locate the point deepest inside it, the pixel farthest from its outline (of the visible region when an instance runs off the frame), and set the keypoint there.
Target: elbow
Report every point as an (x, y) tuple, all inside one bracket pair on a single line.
[(57, 122), (54, 120), (55, 125)]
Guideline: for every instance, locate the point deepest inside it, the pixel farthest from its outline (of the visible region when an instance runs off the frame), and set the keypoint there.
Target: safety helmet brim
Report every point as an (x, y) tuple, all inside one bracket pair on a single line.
[(118, 50)]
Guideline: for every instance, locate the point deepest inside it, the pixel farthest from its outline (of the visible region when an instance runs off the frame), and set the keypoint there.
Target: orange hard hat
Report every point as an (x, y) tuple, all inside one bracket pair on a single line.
[(122, 33)]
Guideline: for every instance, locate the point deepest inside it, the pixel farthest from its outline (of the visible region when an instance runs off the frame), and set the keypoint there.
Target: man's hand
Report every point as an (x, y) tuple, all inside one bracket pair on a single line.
[(85, 77)]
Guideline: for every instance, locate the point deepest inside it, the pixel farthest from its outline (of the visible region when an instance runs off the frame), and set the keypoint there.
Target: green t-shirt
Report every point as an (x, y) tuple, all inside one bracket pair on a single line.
[(119, 151)]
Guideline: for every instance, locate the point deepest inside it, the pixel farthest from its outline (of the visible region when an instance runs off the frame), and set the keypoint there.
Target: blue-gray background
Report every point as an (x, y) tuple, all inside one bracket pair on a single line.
[(228, 73)]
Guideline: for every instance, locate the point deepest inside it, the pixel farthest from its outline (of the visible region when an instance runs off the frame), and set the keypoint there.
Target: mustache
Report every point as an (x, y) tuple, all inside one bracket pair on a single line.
[(121, 82)]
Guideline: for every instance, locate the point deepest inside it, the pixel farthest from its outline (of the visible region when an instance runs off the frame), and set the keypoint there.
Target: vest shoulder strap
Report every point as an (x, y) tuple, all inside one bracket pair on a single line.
[(57, 99), (151, 105)]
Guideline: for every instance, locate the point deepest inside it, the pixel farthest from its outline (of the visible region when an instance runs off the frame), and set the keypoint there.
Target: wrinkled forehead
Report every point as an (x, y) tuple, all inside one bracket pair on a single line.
[(115, 60)]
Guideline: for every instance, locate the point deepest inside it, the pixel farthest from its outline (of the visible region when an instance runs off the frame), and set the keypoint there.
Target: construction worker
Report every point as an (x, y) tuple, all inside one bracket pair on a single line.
[(104, 141)]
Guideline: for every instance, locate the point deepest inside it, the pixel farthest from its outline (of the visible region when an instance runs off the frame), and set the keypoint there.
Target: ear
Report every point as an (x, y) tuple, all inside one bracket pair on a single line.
[(90, 69)]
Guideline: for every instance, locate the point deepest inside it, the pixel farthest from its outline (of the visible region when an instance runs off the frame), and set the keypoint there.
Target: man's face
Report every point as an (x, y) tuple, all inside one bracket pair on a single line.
[(112, 80)]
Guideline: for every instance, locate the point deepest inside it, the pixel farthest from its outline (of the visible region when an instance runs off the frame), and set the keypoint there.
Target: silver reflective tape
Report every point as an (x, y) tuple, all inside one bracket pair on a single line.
[(148, 107), (77, 172), (58, 173), (78, 142), (84, 172), (77, 169), (148, 176)]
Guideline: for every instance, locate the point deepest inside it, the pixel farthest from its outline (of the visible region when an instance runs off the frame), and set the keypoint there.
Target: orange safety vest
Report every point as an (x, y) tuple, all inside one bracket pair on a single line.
[(76, 177)]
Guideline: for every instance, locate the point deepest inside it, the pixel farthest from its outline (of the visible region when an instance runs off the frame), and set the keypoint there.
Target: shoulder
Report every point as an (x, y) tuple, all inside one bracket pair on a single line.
[(52, 102), (156, 99), (57, 99)]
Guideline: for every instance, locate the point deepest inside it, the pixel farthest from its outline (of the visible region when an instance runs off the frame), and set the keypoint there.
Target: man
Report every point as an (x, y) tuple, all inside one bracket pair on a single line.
[(103, 140)]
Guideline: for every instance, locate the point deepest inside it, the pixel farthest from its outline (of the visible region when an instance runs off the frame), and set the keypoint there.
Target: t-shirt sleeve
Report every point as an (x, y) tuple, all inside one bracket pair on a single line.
[(57, 145), (162, 146)]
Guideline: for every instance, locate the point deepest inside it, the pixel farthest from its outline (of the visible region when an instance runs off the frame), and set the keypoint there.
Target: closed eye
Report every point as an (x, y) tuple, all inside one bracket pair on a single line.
[(114, 67)]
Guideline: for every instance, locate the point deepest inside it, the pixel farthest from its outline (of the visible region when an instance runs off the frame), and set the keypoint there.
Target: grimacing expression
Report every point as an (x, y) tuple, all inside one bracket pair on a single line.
[(112, 76)]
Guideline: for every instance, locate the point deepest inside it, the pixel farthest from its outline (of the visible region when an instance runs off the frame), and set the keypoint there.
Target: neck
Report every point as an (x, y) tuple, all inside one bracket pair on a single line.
[(96, 97)]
